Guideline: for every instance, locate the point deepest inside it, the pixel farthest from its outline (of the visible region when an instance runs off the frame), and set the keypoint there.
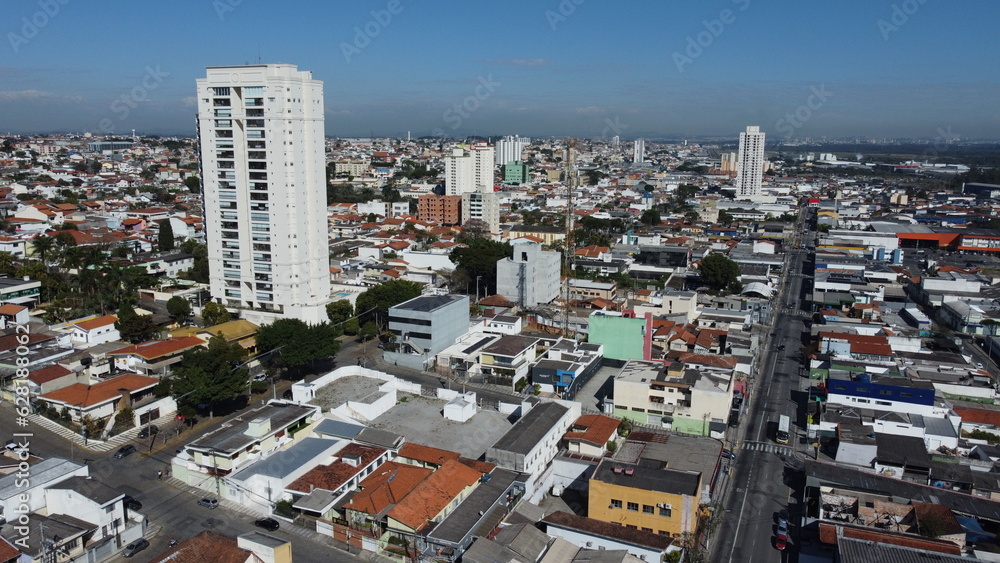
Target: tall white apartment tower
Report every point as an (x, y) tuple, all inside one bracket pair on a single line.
[(509, 149), (467, 171), (750, 162), (260, 129), (639, 151)]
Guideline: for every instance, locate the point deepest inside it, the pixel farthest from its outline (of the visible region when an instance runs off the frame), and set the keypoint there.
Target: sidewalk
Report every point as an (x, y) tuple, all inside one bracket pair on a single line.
[(94, 445), (286, 526)]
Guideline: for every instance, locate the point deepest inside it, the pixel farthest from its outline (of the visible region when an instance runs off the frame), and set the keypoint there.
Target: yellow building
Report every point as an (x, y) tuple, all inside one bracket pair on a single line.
[(657, 500)]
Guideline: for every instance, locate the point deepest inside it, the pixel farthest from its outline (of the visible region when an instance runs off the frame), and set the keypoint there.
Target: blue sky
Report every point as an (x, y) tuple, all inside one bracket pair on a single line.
[(587, 68)]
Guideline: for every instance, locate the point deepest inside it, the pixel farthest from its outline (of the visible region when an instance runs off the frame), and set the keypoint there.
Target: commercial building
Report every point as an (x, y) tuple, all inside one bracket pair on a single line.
[(530, 277), (425, 325), (264, 173), (750, 163), (515, 172)]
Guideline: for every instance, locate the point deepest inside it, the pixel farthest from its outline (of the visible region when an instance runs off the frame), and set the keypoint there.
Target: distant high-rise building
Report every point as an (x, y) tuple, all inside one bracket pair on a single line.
[(469, 170), (515, 172), (616, 142), (639, 151), (510, 148), (750, 162), (261, 135), (728, 162), (440, 209)]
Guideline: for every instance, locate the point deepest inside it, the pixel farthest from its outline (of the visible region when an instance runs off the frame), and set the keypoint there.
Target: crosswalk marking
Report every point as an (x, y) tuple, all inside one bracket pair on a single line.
[(765, 447)]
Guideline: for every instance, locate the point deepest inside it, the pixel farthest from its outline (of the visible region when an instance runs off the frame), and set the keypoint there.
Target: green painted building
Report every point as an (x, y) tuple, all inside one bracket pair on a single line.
[(515, 172), (623, 338)]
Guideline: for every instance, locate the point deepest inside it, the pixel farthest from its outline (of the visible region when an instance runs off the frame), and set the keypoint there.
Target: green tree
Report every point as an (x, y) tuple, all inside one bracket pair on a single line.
[(179, 309), (43, 245), (379, 298), (341, 315), (199, 271), (295, 344), (479, 260), (368, 331), (193, 184), (650, 217), (214, 314), (718, 271), (165, 238), (135, 328), (213, 374)]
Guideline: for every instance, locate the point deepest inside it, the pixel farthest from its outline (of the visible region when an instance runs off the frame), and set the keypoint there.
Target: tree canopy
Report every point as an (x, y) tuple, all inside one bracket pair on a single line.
[(211, 375), (341, 315), (718, 272), (479, 260), (214, 314), (379, 298), (178, 308), (165, 238), (135, 328), (297, 343)]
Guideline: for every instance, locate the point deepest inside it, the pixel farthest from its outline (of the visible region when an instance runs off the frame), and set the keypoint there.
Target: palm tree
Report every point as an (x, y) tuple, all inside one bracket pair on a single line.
[(43, 245)]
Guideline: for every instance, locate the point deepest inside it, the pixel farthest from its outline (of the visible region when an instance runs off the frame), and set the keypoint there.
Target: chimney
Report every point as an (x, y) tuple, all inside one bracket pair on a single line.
[(126, 399)]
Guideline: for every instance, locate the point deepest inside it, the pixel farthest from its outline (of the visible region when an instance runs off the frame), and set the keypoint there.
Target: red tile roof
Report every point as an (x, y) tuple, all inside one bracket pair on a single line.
[(11, 309), (594, 429), (333, 476), (387, 486), (434, 494), (153, 349), (7, 550), (91, 324), (223, 549), (47, 374), (427, 454), (90, 395), (828, 534), (979, 416), (10, 342), (709, 360)]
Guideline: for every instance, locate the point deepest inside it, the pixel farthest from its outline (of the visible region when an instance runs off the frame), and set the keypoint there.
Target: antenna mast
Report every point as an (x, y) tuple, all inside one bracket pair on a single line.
[(568, 243)]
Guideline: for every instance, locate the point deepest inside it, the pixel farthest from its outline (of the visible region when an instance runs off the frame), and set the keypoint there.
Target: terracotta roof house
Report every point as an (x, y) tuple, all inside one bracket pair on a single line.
[(247, 548), (434, 498), (102, 399), (590, 434), (51, 378), (319, 488), (425, 456), (93, 331), (154, 356)]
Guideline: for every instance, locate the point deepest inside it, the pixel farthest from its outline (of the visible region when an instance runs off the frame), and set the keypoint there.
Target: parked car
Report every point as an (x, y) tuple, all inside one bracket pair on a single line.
[(131, 503), (781, 542), (208, 502), (269, 524), (135, 547), (148, 431), (125, 450)]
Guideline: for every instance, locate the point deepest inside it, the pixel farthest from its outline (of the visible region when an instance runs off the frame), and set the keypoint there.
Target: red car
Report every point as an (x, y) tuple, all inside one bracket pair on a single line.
[(780, 541)]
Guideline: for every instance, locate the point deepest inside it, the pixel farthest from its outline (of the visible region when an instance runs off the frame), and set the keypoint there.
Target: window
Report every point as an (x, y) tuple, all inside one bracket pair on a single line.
[(650, 530), (631, 527), (633, 506), (220, 91), (647, 509), (615, 503), (665, 511), (637, 409)]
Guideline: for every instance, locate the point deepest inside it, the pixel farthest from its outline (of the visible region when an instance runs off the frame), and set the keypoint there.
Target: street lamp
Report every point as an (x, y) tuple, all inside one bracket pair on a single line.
[(477, 287)]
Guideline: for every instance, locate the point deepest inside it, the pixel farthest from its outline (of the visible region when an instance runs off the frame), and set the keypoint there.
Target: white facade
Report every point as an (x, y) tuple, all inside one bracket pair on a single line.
[(530, 277), (509, 149), (750, 162), (471, 170), (264, 175), (639, 151), (482, 206)]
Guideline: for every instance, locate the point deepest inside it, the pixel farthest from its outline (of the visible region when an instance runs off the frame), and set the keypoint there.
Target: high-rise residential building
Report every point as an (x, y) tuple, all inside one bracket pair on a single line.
[(482, 206), (728, 163), (260, 129), (510, 148), (616, 142), (469, 170), (440, 209), (639, 151), (750, 162), (531, 276)]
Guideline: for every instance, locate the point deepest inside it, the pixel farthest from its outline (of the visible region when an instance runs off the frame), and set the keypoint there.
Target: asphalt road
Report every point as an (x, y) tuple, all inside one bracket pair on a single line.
[(764, 472)]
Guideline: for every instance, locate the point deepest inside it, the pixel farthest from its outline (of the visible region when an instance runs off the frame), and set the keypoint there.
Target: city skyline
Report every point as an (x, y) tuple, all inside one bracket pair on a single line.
[(907, 68)]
